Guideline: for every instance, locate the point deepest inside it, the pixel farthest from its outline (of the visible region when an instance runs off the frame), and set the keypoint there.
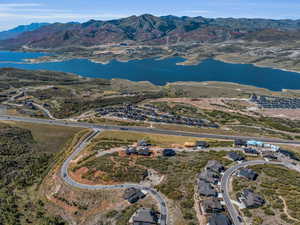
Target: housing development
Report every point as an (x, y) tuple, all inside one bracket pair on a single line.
[(149, 120)]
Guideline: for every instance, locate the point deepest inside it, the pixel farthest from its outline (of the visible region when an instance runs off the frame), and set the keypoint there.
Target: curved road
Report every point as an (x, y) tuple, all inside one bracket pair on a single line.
[(78, 148), (142, 129), (46, 111), (225, 181)]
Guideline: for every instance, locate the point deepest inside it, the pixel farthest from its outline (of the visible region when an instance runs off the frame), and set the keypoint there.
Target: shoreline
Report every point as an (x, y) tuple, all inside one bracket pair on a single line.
[(186, 62), (254, 64)]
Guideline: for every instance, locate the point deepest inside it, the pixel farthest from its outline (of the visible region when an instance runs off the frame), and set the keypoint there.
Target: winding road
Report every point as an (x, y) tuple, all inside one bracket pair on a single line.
[(225, 181), (78, 148)]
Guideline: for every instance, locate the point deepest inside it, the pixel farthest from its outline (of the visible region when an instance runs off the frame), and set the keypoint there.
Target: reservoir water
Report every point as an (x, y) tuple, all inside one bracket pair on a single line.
[(162, 71)]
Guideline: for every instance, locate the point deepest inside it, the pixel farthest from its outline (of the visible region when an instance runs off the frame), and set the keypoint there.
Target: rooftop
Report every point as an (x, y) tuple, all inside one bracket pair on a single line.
[(214, 165), (235, 156), (251, 199), (145, 216), (169, 152), (219, 219), (240, 142), (143, 143), (212, 205), (209, 176), (133, 194), (203, 144), (251, 151), (206, 189), (248, 173)]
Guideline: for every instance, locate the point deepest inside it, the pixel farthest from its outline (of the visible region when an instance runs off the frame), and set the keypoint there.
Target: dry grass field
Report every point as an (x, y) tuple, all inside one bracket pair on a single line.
[(50, 138)]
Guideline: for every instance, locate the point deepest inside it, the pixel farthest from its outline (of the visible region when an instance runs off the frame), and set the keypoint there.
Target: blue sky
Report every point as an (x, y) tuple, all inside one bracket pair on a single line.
[(16, 12)]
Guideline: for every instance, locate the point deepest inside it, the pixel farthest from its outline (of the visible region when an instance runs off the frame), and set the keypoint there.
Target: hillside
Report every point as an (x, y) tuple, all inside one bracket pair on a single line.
[(22, 166), (13, 33), (149, 29)]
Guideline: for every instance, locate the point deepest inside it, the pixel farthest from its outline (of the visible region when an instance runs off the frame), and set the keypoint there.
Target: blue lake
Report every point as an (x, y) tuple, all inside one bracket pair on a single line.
[(162, 71)]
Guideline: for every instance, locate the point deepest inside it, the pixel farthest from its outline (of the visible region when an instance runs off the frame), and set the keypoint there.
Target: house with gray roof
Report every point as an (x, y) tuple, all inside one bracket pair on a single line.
[(212, 205), (143, 143), (145, 216), (133, 195), (215, 166), (240, 143), (144, 151), (248, 174), (219, 219), (169, 152), (270, 155), (202, 144), (131, 151), (235, 156), (209, 176), (251, 151), (251, 199), (206, 189)]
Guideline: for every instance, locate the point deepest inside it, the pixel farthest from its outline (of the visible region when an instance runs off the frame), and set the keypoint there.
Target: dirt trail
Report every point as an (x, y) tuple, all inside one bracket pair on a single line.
[(285, 209), (200, 216)]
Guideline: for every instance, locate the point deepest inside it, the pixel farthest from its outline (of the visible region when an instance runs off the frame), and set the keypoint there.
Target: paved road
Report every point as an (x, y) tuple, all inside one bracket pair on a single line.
[(46, 111), (142, 129), (225, 181), (78, 148)]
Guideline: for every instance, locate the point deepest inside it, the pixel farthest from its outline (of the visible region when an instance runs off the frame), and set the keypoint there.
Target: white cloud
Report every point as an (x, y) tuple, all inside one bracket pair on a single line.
[(17, 6), (55, 16), (13, 14), (197, 11)]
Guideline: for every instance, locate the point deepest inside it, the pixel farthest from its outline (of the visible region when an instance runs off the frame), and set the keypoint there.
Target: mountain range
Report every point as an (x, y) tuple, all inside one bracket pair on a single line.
[(13, 33), (153, 30)]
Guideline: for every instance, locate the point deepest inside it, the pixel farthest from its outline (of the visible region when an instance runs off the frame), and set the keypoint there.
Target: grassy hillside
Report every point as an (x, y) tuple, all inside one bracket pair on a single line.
[(23, 165), (280, 188)]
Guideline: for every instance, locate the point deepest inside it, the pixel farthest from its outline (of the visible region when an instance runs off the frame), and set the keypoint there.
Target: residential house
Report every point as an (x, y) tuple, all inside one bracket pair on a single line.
[(169, 152), (251, 151), (240, 143), (251, 199), (248, 173), (269, 155), (219, 219), (289, 154), (202, 144), (145, 216), (235, 156), (144, 151), (215, 166), (209, 176), (131, 151), (206, 189), (143, 143), (255, 143), (133, 195), (212, 205)]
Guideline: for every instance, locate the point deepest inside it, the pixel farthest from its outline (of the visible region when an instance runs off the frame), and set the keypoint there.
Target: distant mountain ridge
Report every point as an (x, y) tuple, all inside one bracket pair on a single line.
[(12, 33), (153, 30)]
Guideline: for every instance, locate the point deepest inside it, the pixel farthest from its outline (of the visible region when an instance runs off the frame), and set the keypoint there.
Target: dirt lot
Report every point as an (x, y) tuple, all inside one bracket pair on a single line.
[(85, 207), (238, 105), (293, 114)]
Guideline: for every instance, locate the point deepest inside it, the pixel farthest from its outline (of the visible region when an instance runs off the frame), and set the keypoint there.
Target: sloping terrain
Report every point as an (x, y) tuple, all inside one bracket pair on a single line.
[(149, 29), (22, 167), (13, 33)]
